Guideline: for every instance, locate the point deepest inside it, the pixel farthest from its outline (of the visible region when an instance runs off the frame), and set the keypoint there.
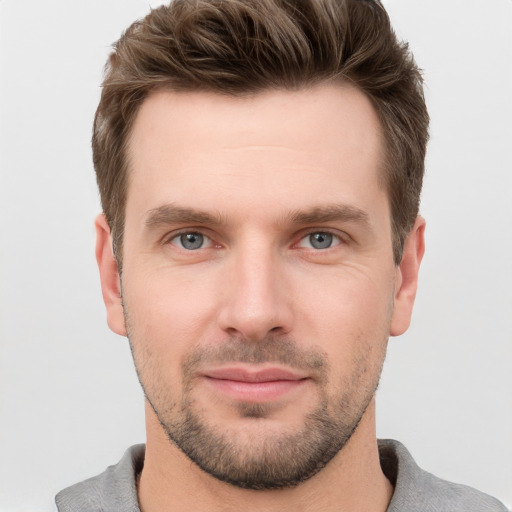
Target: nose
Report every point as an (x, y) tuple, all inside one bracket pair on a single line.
[(255, 301)]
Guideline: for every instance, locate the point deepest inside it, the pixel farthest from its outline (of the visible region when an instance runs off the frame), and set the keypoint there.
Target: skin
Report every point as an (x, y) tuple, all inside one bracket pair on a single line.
[(261, 170)]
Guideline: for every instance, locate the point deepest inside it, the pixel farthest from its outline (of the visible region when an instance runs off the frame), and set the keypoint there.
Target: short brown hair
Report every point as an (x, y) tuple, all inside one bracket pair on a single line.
[(237, 47)]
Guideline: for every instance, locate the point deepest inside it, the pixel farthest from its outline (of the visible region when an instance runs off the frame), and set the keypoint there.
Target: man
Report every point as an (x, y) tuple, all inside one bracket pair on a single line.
[(260, 166)]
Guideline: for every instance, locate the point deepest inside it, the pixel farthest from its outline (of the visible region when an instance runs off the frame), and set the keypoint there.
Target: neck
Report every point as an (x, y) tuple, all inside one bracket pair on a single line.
[(353, 480)]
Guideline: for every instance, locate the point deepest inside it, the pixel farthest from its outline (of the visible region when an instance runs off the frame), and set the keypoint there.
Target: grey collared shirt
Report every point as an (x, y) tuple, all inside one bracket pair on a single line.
[(115, 490)]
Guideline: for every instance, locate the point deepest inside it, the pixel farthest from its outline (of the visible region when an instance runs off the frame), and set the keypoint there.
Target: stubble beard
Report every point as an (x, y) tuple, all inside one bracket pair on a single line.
[(277, 461), (270, 460)]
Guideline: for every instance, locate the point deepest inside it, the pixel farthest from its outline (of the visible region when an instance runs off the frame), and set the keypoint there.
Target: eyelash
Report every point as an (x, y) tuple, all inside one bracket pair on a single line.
[(335, 235), (340, 239), (175, 236)]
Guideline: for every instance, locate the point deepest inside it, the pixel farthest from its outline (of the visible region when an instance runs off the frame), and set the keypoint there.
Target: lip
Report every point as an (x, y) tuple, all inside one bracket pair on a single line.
[(243, 374), (253, 384)]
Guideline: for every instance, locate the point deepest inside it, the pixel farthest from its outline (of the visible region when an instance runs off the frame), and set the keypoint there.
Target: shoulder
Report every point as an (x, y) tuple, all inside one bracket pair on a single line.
[(113, 490), (417, 490)]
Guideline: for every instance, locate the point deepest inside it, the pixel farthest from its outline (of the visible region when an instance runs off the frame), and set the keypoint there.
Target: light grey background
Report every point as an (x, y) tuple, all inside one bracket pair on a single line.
[(69, 400)]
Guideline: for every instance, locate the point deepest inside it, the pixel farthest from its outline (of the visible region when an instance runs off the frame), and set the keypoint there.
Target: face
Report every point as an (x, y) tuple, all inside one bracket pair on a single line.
[(258, 285)]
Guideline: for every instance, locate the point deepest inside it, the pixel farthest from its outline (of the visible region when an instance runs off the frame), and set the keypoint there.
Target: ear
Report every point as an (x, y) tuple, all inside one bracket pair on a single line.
[(407, 278), (109, 276)]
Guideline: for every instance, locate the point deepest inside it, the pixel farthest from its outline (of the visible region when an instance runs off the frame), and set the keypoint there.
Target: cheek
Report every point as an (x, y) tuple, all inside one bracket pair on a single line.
[(347, 301), (349, 318), (167, 314)]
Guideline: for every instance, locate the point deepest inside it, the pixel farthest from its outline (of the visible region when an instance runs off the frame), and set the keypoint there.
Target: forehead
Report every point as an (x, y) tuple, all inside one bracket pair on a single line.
[(275, 145)]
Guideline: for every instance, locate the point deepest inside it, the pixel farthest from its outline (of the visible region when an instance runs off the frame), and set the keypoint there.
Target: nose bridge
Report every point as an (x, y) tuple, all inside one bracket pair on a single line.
[(255, 301)]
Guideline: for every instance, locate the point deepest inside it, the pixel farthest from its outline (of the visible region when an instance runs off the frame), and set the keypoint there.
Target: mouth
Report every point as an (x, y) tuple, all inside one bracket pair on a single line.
[(254, 384)]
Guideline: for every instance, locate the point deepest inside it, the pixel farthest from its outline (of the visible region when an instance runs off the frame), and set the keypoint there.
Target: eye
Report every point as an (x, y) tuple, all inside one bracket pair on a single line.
[(320, 240), (191, 241)]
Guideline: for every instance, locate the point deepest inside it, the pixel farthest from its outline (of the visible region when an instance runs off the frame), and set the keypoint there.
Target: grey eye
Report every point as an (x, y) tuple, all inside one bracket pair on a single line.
[(321, 240), (191, 241)]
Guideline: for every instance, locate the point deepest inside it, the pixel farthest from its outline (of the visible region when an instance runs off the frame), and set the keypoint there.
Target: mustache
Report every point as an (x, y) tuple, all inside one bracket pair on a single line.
[(271, 349)]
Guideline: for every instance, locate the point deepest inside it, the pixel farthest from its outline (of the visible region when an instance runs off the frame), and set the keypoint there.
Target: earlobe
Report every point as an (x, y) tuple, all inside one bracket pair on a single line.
[(109, 276), (407, 278)]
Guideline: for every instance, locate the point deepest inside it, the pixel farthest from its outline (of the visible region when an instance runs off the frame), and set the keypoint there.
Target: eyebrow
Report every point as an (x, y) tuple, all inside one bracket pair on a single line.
[(329, 213), (169, 214), (172, 214)]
